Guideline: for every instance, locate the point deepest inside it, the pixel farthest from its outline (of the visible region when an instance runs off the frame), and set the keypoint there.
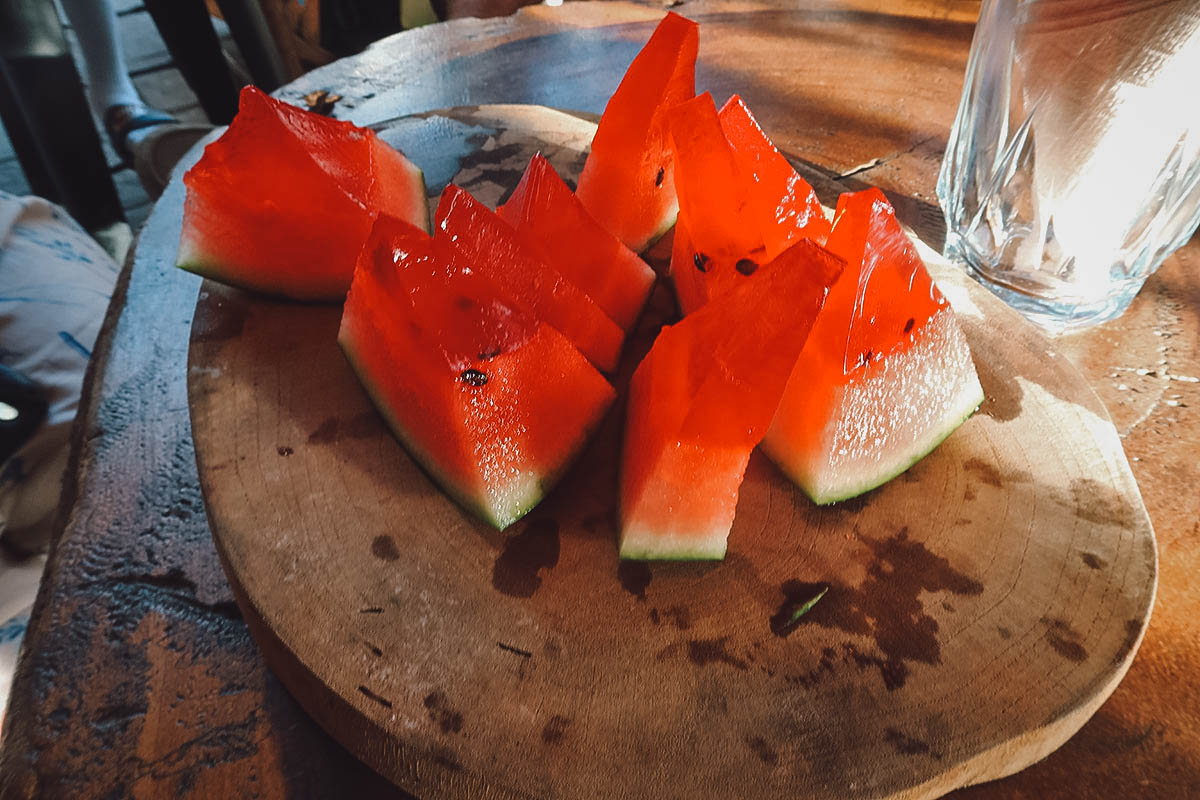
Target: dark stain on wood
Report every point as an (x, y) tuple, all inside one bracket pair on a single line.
[(795, 595), (1001, 394), (361, 426), (763, 750), (984, 471), (969, 493), (1064, 639), (284, 450), (892, 671), (223, 320), (887, 606), (666, 652), (371, 610), (502, 165), (517, 570), (654, 617), (814, 676), (326, 432), (634, 577), (384, 548), (853, 505), (1004, 632), (907, 745), (375, 649), (444, 758), (1100, 503), (378, 698), (442, 713), (602, 521), (680, 616), (703, 652), (1092, 561), (555, 729), (1133, 629)]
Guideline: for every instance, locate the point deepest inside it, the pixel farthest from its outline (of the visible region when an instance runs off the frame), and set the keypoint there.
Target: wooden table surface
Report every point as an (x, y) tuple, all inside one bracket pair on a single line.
[(139, 677)]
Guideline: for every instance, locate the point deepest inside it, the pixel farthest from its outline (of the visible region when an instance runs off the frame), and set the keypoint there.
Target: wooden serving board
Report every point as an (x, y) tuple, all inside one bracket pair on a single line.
[(979, 609)]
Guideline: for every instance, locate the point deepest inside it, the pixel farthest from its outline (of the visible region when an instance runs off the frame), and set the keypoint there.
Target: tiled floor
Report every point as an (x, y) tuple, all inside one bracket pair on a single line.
[(162, 87)]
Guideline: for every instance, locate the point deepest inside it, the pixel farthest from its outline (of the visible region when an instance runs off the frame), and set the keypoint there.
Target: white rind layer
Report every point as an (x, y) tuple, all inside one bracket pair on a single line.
[(888, 418)]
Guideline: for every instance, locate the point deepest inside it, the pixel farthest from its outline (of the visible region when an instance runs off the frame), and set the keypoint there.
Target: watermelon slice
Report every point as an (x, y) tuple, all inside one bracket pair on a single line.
[(703, 398), (740, 202), (785, 207), (550, 219), (282, 202), (493, 403), (886, 374), (627, 183), (481, 241)]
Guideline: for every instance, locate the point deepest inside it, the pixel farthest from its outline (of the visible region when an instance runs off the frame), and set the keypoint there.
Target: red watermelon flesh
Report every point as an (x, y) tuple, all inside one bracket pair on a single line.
[(785, 205), (282, 202), (886, 374), (627, 182), (493, 403), (702, 399), (740, 203), (550, 219), (483, 242)]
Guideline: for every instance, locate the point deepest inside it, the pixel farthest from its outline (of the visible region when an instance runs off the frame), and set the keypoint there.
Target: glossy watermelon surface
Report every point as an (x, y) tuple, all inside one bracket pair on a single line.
[(282, 202), (481, 241), (627, 183), (491, 402), (550, 219), (740, 202), (702, 399), (886, 373)]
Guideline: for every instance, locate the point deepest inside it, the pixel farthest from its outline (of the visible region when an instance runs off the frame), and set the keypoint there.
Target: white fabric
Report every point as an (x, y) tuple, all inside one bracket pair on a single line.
[(55, 283)]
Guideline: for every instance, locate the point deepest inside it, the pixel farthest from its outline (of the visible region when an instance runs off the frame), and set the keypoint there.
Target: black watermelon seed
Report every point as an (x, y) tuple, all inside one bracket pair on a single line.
[(658, 179), (473, 377), (701, 262), (746, 266), (908, 326), (488, 355), (867, 356)]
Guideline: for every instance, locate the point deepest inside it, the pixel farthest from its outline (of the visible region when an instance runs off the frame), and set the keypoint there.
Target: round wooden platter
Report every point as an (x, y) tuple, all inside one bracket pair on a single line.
[(979, 608)]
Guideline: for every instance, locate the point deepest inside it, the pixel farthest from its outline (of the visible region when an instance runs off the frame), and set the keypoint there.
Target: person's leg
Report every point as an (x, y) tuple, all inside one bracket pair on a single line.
[(113, 96), (95, 23)]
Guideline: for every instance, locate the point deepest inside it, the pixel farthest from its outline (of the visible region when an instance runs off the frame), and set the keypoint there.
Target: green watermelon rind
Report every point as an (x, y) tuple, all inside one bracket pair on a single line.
[(220, 272), (657, 554), (970, 399), (664, 227)]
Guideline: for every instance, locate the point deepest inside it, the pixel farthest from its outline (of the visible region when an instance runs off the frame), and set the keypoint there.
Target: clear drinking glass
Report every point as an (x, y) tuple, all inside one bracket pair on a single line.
[(1073, 167)]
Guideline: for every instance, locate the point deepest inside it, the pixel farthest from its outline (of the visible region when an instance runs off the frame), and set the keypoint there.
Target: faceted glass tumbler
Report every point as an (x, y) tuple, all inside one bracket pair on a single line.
[(1073, 167)]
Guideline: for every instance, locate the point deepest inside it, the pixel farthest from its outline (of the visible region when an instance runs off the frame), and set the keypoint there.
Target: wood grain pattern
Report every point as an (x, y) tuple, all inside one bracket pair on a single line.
[(139, 677), (980, 608)]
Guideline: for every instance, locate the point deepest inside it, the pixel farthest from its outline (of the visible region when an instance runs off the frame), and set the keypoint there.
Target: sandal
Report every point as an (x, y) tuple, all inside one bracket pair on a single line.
[(155, 155), (122, 120)]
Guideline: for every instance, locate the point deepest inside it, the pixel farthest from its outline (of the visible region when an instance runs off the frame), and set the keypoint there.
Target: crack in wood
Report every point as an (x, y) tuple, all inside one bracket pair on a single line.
[(880, 161)]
